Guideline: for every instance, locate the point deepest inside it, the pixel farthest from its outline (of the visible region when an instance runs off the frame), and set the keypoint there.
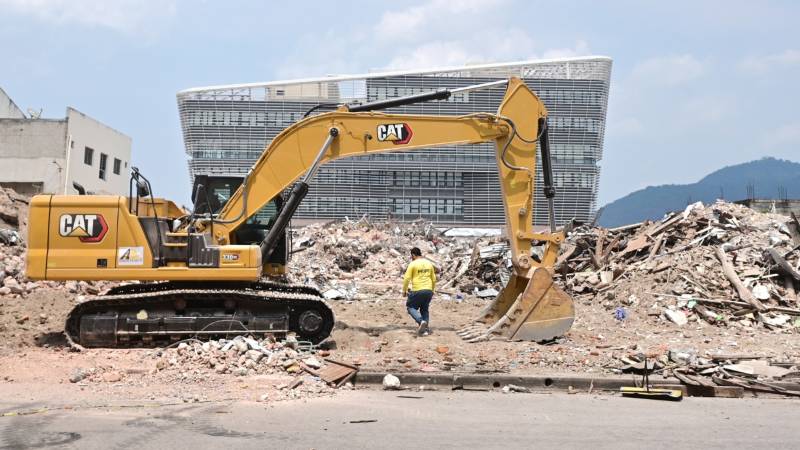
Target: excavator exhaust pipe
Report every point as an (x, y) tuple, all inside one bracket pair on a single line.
[(529, 308)]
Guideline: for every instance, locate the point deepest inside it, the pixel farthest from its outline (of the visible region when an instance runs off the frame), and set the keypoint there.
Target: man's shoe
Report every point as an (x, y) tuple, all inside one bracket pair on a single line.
[(423, 327), (427, 333)]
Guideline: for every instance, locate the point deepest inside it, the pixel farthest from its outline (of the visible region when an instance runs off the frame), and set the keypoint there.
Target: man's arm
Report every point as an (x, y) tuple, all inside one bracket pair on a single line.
[(407, 278), (433, 277)]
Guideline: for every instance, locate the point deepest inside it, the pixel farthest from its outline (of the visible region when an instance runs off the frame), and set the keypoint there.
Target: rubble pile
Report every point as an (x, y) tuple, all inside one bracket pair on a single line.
[(721, 264), (245, 356), (343, 257), (14, 283), (13, 210), (240, 356), (261, 370), (743, 371)]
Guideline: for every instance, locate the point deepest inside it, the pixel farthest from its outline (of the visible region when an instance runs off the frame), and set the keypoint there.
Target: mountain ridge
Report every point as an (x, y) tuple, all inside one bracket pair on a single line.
[(766, 176)]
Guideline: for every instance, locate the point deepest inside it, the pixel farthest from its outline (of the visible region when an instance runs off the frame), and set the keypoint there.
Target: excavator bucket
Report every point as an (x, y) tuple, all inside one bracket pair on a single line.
[(527, 309)]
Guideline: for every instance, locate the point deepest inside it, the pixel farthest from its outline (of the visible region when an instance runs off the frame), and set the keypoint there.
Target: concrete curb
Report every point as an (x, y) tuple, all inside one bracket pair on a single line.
[(539, 383), (497, 381)]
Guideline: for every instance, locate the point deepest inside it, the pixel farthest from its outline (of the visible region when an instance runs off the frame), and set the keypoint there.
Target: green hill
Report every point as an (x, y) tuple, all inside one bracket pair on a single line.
[(765, 176)]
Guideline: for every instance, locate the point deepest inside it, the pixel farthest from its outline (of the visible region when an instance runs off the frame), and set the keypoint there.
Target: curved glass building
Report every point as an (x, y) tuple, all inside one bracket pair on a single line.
[(225, 129)]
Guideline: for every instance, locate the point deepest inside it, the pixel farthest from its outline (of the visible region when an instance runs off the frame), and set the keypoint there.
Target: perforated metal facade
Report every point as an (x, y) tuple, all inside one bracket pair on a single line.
[(226, 128)]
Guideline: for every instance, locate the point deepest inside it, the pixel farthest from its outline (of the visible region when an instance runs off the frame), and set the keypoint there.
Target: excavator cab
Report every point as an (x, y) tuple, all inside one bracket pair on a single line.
[(211, 193)]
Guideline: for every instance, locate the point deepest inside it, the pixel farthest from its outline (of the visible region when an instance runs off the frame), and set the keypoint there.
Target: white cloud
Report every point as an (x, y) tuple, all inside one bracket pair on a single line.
[(406, 23), (129, 16), (581, 49), (786, 135), (763, 64), (511, 45), (668, 70), (434, 54)]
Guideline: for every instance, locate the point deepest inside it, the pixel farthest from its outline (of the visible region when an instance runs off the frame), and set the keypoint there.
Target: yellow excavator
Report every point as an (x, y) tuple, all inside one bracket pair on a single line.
[(209, 266)]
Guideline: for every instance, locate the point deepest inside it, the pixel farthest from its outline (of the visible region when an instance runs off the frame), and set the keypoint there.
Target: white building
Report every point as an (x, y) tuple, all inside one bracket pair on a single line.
[(226, 128), (49, 155)]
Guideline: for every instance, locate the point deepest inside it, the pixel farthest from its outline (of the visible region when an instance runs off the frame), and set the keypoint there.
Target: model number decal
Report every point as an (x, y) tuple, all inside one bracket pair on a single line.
[(86, 227), (397, 133)]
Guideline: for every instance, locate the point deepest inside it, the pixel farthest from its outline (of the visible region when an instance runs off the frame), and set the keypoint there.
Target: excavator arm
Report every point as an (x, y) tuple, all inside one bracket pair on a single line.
[(531, 306), (300, 149)]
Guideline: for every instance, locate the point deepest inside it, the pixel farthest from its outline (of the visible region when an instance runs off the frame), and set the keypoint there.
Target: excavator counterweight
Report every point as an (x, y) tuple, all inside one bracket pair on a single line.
[(208, 263)]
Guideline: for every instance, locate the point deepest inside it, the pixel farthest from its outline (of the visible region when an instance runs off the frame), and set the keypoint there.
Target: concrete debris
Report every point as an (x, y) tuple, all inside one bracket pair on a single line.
[(487, 293), (510, 388), (312, 362), (13, 211), (353, 260), (78, 375), (472, 232), (761, 292), (742, 371), (717, 264), (676, 317), (391, 382), (333, 294), (10, 237)]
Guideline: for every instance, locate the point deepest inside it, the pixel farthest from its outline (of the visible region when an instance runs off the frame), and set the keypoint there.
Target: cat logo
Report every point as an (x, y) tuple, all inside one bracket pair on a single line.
[(397, 133), (86, 227)]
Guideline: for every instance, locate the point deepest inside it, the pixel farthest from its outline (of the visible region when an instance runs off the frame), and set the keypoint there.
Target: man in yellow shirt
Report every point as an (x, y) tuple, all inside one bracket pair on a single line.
[(421, 276)]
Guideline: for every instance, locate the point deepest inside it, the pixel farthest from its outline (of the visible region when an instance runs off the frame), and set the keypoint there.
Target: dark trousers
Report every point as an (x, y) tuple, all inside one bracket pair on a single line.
[(418, 303)]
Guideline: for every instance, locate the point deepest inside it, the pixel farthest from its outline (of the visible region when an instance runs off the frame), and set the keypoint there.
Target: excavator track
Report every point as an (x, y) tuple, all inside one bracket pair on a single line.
[(161, 313)]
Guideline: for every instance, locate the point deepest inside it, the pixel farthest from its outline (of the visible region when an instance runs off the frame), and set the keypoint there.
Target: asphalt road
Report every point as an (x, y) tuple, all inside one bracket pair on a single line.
[(373, 419)]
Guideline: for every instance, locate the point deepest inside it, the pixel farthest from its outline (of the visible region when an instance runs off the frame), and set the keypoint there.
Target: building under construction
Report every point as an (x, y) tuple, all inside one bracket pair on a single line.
[(225, 129)]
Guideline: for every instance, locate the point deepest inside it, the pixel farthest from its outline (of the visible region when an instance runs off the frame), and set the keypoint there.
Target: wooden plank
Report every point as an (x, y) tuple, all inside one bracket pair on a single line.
[(333, 361), (666, 225), (632, 226), (791, 294), (346, 379), (786, 268), (601, 240), (715, 391), (608, 250), (741, 289), (656, 247)]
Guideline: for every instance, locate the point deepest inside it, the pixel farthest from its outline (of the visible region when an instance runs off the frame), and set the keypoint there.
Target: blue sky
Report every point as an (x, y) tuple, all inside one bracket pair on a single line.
[(696, 85)]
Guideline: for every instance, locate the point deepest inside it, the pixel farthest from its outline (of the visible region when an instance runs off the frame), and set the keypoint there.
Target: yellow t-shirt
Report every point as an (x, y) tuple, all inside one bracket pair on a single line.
[(421, 274)]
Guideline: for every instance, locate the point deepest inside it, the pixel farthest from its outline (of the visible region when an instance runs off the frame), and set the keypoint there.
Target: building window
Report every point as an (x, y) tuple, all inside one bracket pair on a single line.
[(117, 164), (88, 155), (103, 160)]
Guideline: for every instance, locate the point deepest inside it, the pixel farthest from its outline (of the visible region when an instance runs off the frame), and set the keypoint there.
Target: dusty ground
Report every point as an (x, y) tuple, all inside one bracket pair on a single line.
[(375, 333), (380, 335)]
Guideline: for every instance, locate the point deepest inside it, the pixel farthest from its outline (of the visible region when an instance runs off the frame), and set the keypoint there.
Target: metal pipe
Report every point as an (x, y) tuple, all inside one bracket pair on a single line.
[(547, 172), (315, 165), (476, 87), (297, 194), (441, 94)]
